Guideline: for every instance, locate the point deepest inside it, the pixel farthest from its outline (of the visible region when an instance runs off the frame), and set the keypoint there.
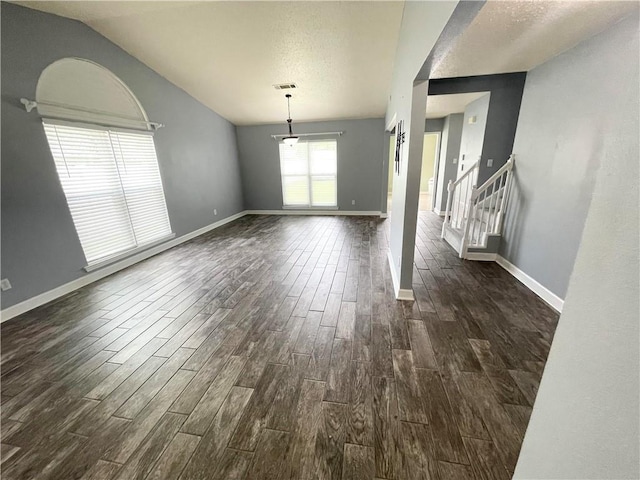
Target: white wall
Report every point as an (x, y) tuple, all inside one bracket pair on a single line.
[(585, 421), (422, 23)]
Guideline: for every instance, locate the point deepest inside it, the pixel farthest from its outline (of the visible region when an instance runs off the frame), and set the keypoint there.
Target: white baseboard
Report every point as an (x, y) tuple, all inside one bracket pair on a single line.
[(543, 292), (405, 294), (438, 212), (401, 293), (38, 300), (481, 256), (384, 215), (313, 212)]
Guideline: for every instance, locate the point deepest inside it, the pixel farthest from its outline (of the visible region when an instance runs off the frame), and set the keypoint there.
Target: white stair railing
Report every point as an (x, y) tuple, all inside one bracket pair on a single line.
[(459, 193), (483, 210)]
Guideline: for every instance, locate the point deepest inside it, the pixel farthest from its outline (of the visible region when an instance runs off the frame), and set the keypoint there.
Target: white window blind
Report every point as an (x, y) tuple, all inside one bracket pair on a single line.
[(309, 173), (138, 167), (113, 188)]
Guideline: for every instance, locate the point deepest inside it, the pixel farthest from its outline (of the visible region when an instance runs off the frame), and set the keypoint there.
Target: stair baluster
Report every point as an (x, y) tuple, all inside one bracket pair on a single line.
[(465, 218)]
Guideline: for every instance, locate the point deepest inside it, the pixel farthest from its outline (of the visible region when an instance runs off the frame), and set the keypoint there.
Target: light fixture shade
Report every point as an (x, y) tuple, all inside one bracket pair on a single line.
[(291, 139)]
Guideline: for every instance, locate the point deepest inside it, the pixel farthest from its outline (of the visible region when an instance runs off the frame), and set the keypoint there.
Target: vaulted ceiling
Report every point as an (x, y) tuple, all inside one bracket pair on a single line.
[(228, 54)]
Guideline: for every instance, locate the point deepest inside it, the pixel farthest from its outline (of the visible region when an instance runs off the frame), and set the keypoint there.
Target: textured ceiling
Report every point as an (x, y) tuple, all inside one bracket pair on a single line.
[(439, 106), (229, 54), (340, 54), (516, 36)]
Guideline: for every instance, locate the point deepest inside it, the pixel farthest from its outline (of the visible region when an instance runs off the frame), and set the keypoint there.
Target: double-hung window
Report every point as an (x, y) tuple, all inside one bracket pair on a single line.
[(112, 183), (309, 174)]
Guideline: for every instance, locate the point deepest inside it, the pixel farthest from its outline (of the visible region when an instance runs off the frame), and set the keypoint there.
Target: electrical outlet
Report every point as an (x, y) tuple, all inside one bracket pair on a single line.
[(5, 284), (353, 202), (215, 211), (455, 160), (490, 162)]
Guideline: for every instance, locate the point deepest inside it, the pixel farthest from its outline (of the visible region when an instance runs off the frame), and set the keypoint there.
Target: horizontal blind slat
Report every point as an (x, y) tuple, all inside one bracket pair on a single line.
[(89, 177), (142, 185)]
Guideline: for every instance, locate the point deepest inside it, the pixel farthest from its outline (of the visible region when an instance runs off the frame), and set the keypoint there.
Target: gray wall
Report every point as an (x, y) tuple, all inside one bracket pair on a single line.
[(571, 116), (473, 133), (196, 151), (361, 152), (387, 186), (585, 421), (449, 153), (502, 117), (432, 125)]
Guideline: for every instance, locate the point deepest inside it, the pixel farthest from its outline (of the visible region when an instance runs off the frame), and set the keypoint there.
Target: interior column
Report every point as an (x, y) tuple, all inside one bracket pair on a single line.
[(406, 193)]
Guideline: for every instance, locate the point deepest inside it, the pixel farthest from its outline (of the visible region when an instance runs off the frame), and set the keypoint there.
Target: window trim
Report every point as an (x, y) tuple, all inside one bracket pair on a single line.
[(94, 126), (127, 253), (304, 207), (309, 206)]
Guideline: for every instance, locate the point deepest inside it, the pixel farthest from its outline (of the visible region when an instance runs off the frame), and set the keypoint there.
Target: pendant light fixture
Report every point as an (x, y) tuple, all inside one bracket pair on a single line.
[(291, 139)]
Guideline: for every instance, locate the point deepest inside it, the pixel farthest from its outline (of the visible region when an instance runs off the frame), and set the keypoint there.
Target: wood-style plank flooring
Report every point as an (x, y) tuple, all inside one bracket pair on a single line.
[(273, 348)]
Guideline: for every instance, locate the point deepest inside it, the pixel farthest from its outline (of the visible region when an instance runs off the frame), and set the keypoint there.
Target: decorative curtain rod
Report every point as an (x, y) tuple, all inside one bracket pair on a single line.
[(275, 137), (31, 104)]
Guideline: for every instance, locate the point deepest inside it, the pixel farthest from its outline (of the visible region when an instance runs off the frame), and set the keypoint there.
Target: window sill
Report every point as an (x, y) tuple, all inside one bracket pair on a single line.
[(121, 256), (307, 207)]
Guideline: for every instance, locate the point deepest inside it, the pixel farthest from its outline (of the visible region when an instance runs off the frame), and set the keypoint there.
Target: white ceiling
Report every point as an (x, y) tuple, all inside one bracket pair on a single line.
[(229, 54), (340, 54), (516, 36), (439, 106)]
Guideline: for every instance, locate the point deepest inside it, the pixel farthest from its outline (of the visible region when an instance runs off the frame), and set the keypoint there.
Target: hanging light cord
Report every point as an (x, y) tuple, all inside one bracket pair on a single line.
[(288, 95)]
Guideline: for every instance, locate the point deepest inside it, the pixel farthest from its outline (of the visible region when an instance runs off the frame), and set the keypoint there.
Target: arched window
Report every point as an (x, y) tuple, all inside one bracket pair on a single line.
[(102, 145)]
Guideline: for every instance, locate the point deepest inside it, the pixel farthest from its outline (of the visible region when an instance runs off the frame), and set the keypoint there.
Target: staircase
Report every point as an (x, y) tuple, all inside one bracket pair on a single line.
[(474, 215)]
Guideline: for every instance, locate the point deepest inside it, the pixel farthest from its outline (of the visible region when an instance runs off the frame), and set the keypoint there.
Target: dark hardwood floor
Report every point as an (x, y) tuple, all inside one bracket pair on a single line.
[(273, 348)]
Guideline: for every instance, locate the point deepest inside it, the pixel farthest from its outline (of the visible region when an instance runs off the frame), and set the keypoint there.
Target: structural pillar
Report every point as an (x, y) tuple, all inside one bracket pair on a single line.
[(406, 192)]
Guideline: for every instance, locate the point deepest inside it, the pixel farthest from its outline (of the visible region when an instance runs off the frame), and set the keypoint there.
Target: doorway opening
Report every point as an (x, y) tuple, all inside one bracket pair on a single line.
[(460, 120), (430, 153), (453, 141)]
